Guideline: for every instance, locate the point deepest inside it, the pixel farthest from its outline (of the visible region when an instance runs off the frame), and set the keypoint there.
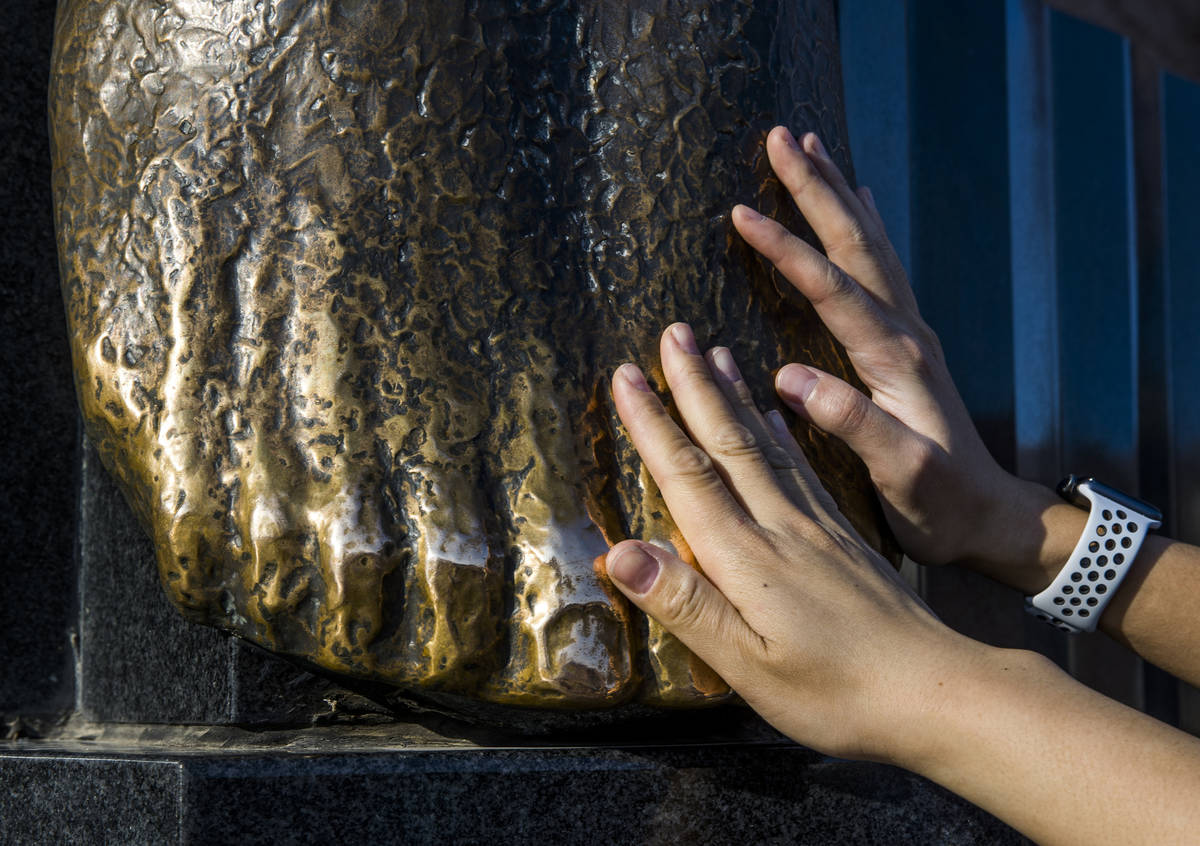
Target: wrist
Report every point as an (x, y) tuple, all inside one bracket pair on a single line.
[(1011, 732), (961, 693), (1026, 533), (920, 691)]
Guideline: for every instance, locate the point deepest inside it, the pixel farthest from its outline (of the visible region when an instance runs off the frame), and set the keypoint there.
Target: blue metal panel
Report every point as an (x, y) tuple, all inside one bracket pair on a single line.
[(1181, 162), (1094, 250), (1034, 291), (1181, 166), (875, 75), (960, 220)]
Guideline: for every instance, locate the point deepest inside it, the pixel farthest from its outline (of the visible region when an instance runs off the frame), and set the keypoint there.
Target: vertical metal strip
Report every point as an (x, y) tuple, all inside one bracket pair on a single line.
[(1031, 189), (1036, 380), (1181, 238), (1095, 254), (1160, 689), (875, 76)]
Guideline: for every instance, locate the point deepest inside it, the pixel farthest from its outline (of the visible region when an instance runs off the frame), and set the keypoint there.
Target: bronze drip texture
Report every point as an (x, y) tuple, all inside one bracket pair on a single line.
[(346, 282)]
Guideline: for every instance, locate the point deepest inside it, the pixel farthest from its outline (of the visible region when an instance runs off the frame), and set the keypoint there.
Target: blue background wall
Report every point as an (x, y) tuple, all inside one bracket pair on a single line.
[(1041, 181)]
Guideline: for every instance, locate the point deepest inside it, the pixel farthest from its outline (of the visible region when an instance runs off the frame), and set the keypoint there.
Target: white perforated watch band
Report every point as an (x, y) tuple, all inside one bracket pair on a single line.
[(1117, 525)]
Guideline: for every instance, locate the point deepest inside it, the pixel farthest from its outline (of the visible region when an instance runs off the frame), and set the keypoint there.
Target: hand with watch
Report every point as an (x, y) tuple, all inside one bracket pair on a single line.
[(823, 639), (944, 496)]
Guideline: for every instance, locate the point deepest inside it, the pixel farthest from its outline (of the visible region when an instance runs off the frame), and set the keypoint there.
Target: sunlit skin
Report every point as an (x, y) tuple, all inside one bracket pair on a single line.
[(816, 631)]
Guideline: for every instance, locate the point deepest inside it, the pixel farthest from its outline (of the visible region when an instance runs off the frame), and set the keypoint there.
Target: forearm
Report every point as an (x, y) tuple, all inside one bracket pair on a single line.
[(1032, 533), (1009, 731)]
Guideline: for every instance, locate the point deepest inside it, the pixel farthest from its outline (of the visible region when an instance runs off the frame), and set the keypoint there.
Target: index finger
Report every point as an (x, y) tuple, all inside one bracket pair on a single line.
[(702, 506), (853, 316), (894, 282), (837, 216)]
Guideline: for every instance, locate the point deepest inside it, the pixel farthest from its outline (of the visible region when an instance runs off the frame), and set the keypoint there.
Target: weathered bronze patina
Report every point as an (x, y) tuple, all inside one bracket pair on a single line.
[(346, 282)]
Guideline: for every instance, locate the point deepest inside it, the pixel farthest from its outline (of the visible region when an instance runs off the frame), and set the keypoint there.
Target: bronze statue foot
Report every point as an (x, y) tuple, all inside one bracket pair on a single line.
[(347, 283)]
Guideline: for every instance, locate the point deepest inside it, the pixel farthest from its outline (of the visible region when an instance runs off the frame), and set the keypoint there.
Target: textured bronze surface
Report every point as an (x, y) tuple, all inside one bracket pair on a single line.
[(346, 282)]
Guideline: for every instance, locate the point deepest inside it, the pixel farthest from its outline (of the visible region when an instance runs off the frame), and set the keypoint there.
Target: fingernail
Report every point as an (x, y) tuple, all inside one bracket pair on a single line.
[(722, 359), (796, 382), (633, 567), (752, 215), (817, 146), (632, 374), (684, 339), (791, 139), (776, 421)]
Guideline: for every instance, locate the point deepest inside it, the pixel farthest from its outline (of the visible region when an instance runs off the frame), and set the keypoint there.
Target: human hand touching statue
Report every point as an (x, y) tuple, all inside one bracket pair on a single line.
[(819, 635), (927, 461), (945, 497), (816, 631), (788, 588)]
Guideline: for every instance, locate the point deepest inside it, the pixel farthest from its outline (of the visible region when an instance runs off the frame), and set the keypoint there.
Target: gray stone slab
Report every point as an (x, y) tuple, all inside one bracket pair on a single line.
[(194, 793), (140, 660), (575, 796), (77, 799)]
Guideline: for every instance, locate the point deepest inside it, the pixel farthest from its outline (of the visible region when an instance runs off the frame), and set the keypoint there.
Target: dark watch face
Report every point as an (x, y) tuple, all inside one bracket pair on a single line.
[(1068, 489)]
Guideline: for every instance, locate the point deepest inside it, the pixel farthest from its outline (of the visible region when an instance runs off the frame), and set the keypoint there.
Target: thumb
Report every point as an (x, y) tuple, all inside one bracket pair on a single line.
[(842, 411), (680, 598)]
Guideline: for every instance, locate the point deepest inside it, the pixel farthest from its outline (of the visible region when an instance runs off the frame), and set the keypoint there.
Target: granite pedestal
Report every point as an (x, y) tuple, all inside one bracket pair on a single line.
[(396, 785)]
